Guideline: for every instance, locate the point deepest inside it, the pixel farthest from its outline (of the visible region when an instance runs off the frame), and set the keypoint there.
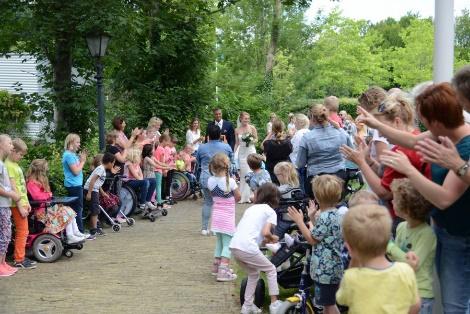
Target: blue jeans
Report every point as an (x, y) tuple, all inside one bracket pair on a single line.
[(143, 186), (426, 306), (453, 269), (302, 172), (206, 208), (77, 206), (151, 189)]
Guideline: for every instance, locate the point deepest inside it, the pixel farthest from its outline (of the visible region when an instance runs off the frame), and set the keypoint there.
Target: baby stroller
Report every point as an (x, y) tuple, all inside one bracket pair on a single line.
[(289, 277), (47, 247)]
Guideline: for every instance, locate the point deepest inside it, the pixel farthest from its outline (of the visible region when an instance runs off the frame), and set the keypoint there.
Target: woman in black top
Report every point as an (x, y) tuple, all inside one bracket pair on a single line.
[(277, 147), (114, 148)]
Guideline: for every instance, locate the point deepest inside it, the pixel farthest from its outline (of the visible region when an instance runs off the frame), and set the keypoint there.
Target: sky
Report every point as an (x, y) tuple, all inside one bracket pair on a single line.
[(377, 10)]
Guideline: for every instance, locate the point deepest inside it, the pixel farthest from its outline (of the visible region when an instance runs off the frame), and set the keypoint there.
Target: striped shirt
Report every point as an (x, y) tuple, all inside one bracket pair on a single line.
[(223, 208)]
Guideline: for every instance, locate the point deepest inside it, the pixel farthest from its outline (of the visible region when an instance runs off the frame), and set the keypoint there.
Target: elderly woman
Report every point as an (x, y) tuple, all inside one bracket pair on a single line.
[(301, 126), (446, 191), (319, 148)]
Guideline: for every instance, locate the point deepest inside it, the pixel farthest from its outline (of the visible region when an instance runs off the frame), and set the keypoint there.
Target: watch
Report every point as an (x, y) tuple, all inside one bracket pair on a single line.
[(462, 170)]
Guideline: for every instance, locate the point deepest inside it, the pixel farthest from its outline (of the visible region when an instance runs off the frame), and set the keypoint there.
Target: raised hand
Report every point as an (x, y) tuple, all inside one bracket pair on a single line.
[(367, 118), (295, 215), (397, 161), (444, 154)]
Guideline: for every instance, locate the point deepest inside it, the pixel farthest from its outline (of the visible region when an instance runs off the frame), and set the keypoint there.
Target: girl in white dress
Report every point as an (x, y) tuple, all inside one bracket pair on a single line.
[(246, 136)]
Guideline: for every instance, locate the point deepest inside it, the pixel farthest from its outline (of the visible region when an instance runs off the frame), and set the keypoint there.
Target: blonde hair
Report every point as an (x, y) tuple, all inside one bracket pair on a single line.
[(111, 137), (134, 155), (19, 145), (327, 189), (278, 130), (301, 121), (290, 176), (242, 114), (408, 200), (71, 137), (331, 103), (363, 197), (319, 114), (154, 121), (97, 160), (397, 106), (37, 171), (220, 163), (367, 230)]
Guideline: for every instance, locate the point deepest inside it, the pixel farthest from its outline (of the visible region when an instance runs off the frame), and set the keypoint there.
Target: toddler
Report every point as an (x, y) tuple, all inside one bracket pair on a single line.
[(20, 210), (253, 230), (414, 235), (375, 285), (135, 177), (363, 197), (225, 193), (7, 195), (326, 267), (258, 176), (58, 217), (93, 189)]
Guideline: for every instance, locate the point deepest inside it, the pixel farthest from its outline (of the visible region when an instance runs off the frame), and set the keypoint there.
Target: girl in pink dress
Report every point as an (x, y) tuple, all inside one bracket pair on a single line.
[(225, 193)]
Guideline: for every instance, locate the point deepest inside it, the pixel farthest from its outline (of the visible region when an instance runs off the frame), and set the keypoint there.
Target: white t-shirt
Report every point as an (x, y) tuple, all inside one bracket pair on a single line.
[(221, 182), (466, 117), (101, 173), (192, 136), (377, 138), (295, 140), (249, 235)]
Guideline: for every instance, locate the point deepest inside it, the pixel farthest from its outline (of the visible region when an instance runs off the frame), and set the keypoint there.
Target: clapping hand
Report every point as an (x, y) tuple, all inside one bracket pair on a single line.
[(115, 169), (367, 118), (398, 161), (313, 210), (413, 260), (295, 215), (444, 154)]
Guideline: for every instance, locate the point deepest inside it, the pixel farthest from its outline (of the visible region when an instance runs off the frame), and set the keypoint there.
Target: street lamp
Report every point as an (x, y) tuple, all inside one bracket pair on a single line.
[(97, 43)]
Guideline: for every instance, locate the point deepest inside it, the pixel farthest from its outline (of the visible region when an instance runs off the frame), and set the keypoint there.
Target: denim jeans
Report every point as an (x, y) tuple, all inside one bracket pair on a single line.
[(302, 172), (453, 269), (206, 208), (143, 186), (151, 189), (426, 306), (77, 206)]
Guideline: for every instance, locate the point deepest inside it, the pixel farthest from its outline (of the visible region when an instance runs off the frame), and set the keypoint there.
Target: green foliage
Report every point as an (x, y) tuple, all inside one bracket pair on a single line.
[(14, 113)]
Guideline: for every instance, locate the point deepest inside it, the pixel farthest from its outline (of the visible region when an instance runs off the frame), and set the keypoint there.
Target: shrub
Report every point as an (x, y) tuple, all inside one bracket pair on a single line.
[(14, 113)]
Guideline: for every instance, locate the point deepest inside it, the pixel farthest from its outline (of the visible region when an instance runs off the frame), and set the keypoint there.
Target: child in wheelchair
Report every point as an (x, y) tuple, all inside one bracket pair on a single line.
[(186, 162)]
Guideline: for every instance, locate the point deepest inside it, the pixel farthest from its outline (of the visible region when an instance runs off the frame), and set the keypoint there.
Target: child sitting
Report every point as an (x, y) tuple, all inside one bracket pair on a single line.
[(414, 235), (58, 217), (225, 193), (186, 155), (93, 189), (135, 177), (7, 195), (326, 268), (20, 210), (376, 285), (258, 176), (253, 230)]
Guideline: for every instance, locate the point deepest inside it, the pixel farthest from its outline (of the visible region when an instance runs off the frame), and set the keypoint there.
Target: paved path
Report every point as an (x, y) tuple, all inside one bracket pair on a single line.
[(160, 267)]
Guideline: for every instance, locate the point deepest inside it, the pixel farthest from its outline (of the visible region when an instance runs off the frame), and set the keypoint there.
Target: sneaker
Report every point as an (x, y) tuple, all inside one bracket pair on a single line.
[(26, 264), (215, 269), (9, 267), (274, 307), (32, 262), (225, 274), (289, 240), (71, 239), (250, 309), (121, 220), (99, 232), (273, 247), (90, 237), (204, 232), (150, 206), (5, 271), (143, 206)]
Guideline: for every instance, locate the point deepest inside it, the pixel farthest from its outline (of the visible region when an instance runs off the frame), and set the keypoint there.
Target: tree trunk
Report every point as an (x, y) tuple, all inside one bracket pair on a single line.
[(62, 78), (275, 32)]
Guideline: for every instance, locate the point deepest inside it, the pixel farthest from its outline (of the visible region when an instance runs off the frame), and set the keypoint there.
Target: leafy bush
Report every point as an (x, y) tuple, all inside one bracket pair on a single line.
[(14, 113)]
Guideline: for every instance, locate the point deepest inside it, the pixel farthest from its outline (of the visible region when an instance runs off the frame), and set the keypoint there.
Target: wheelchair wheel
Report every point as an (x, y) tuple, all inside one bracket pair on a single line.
[(180, 186), (259, 292), (291, 308), (47, 248), (128, 200)]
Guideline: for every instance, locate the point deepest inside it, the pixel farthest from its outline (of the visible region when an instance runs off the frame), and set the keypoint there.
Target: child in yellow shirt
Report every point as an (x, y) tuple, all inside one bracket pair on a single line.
[(375, 286)]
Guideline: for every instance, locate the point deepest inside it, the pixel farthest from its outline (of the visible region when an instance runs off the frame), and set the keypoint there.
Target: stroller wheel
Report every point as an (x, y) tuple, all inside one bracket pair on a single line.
[(79, 246), (152, 218), (164, 212), (116, 228), (130, 222), (68, 253)]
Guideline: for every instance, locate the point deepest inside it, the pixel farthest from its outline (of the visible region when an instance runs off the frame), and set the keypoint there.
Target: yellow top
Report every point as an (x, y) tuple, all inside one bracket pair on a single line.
[(15, 173), (370, 291)]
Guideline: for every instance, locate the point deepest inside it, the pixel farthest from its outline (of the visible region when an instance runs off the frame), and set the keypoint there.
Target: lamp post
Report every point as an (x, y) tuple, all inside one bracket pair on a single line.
[(97, 43)]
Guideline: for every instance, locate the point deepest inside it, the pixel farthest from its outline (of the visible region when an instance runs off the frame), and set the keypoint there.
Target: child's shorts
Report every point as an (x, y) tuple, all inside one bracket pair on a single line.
[(325, 294), (94, 203)]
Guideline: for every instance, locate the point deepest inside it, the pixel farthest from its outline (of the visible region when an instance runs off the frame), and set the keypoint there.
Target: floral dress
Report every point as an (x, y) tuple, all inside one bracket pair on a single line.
[(56, 217)]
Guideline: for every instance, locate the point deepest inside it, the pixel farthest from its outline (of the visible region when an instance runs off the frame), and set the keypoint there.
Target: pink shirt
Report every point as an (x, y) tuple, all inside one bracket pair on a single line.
[(159, 154), (170, 154), (334, 116)]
